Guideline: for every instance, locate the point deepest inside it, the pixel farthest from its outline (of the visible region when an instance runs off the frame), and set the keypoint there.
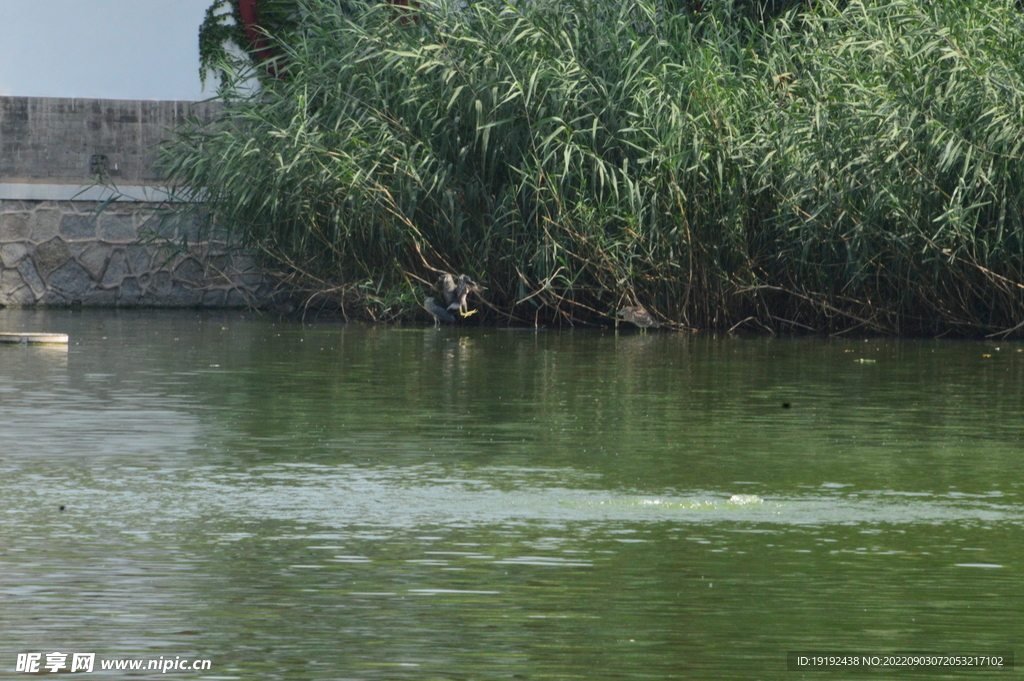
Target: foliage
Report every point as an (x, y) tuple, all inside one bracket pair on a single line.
[(894, 154), (845, 166), (224, 47)]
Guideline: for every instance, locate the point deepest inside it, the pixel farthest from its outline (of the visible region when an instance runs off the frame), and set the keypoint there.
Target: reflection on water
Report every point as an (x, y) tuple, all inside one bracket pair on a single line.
[(330, 501)]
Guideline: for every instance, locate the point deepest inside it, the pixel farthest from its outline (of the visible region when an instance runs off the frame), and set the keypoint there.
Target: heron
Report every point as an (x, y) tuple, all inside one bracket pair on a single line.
[(437, 311), (456, 289), (446, 283), (638, 316)]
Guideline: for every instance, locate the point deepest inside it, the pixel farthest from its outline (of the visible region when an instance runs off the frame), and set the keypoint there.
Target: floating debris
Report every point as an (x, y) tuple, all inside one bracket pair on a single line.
[(34, 338)]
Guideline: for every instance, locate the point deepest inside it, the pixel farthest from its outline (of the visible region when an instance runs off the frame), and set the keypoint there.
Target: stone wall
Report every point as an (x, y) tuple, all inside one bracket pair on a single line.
[(127, 255), (59, 162)]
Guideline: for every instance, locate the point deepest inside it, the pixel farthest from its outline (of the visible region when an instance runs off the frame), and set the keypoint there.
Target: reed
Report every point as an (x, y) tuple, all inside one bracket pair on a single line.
[(839, 167), (896, 164)]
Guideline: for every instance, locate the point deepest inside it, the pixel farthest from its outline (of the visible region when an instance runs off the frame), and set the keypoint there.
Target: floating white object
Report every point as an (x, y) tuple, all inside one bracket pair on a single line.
[(59, 338)]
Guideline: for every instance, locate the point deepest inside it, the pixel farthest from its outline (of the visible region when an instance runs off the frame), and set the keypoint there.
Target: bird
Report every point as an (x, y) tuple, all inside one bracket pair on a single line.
[(638, 316), (446, 283), (456, 289), (437, 311)]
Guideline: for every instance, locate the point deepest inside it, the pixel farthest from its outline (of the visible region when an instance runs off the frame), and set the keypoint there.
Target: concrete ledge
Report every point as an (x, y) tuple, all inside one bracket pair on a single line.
[(70, 192)]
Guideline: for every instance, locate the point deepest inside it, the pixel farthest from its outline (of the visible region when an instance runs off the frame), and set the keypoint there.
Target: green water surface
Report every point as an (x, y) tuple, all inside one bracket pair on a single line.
[(331, 501)]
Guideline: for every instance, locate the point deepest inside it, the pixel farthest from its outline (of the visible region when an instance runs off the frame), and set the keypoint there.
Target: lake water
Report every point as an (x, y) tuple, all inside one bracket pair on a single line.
[(331, 501)]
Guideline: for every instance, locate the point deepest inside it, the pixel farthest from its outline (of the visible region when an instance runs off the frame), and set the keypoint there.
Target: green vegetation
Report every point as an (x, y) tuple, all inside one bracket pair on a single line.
[(223, 44), (844, 166)]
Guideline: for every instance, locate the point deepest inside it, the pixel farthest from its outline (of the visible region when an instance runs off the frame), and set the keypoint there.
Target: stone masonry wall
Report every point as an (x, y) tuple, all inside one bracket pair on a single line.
[(58, 249), (130, 254)]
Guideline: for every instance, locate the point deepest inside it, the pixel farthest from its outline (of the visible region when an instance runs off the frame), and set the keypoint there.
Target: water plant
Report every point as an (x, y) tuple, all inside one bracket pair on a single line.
[(832, 167)]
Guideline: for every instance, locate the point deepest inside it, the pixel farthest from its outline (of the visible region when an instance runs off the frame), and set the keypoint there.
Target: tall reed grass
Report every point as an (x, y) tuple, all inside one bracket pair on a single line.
[(848, 166)]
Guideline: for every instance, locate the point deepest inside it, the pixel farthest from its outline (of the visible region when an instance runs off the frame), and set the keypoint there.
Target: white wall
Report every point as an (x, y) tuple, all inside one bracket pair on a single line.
[(111, 49)]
